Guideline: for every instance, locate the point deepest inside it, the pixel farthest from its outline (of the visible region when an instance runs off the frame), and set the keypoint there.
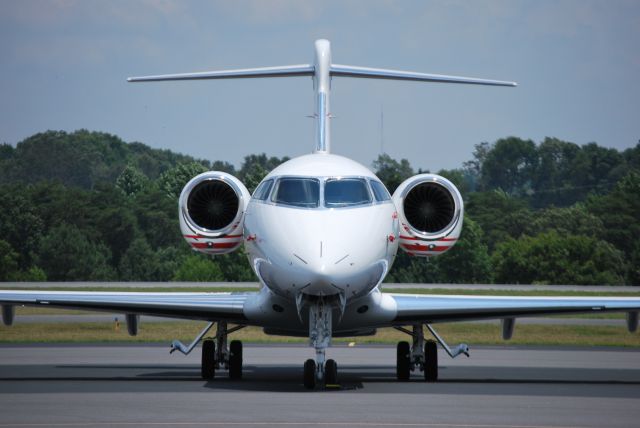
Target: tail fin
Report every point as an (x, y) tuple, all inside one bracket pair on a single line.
[(322, 70)]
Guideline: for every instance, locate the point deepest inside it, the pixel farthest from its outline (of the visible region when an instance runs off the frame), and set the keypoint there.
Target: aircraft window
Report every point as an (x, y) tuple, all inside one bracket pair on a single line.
[(346, 192), (262, 192), (379, 191), (298, 192)]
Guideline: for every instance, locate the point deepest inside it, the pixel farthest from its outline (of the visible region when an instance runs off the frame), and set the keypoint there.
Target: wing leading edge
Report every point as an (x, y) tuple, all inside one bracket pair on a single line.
[(197, 306), (436, 308)]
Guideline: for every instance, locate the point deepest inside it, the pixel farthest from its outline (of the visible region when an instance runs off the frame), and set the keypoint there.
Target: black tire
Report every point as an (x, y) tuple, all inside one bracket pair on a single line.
[(403, 361), (208, 368), (310, 374), (235, 359), (430, 361), (331, 372)]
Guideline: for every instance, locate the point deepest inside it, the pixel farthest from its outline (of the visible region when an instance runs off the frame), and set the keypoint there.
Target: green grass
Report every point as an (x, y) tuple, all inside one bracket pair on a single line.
[(443, 291), (473, 334), (514, 293), (139, 289)]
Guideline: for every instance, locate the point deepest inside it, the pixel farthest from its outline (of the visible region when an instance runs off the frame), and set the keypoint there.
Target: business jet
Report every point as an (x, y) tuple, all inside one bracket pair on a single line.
[(321, 233)]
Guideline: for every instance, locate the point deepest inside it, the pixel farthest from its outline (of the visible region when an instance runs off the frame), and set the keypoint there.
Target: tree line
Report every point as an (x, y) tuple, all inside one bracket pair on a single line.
[(86, 206)]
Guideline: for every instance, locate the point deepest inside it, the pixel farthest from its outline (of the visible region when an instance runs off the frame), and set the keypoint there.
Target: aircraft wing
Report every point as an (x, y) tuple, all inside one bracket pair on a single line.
[(198, 306), (439, 308)]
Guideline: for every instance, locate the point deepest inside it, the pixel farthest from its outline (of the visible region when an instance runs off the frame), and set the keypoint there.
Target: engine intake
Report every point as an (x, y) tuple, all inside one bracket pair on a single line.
[(212, 204), (212, 207), (430, 209)]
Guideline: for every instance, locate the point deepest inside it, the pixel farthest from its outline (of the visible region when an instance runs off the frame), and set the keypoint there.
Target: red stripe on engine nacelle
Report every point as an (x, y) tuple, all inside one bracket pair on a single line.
[(418, 247), (214, 245), (413, 238)]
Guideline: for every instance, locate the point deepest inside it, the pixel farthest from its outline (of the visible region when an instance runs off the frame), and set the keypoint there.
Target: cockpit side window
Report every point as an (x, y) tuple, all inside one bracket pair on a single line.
[(346, 192), (262, 192), (379, 191), (297, 192)]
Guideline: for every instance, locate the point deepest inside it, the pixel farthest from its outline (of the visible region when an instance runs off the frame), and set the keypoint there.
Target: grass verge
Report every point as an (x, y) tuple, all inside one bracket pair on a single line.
[(473, 334)]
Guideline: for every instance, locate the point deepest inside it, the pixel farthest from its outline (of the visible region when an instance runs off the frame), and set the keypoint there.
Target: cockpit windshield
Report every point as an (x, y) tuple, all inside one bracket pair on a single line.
[(346, 192), (298, 192)]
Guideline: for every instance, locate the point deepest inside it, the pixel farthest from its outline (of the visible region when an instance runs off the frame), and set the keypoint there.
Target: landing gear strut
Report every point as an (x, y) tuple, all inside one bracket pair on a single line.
[(319, 371), (422, 355), (215, 352)]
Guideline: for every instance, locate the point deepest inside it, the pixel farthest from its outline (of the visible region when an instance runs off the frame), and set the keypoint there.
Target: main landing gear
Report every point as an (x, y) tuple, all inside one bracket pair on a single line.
[(217, 355), (215, 352), (422, 355)]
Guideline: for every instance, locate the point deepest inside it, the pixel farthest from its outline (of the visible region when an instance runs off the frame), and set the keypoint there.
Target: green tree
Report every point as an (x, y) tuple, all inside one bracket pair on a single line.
[(256, 167), (131, 180), (510, 166), (552, 181), (66, 254), (550, 258), (468, 261), (235, 266), (173, 181), (8, 262), (499, 215), (573, 220), (391, 172), (139, 262), (198, 267)]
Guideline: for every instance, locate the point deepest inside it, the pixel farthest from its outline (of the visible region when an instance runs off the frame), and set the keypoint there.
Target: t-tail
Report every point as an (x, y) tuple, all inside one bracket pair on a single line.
[(322, 70)]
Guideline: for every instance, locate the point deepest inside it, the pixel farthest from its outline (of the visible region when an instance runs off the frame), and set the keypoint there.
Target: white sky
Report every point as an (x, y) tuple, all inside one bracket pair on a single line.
[(64, 65)]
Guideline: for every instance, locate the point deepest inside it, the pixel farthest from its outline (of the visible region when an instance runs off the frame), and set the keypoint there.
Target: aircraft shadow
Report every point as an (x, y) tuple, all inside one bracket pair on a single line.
[(373, 379)]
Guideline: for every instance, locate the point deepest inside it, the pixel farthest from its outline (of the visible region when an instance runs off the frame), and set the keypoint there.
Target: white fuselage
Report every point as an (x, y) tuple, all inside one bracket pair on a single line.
[(321, 250)]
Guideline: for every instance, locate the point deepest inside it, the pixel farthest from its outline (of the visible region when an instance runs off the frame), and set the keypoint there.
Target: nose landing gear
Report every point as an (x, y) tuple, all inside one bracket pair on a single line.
[(319, 371)]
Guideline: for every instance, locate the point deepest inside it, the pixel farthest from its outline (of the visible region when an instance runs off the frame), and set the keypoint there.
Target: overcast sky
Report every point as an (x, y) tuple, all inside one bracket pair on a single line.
[(64, 66)]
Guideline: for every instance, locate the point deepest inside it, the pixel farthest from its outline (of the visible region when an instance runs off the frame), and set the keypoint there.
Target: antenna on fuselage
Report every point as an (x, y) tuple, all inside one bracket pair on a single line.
[(322, 70)]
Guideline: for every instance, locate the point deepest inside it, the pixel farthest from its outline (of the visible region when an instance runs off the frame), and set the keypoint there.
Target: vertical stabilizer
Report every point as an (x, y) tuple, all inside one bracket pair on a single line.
[(322, 86)]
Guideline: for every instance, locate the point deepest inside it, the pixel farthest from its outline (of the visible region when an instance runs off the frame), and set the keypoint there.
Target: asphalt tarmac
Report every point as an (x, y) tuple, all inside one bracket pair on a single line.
[(134, 385)]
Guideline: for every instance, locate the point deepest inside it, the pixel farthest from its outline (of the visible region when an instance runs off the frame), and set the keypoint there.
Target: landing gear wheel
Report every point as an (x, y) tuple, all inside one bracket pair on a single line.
[(235, 360), (208, 369), (331, 372), (310, 374), (430, 361), (403, 361)]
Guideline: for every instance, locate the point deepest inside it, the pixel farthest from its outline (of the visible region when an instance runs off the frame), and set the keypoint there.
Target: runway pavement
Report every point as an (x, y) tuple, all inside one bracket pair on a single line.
[(100, 385)]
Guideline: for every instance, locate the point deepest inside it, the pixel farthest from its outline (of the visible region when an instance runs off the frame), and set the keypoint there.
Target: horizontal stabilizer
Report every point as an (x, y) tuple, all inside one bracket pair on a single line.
[(309, 70), (283, 71), (379, 73)]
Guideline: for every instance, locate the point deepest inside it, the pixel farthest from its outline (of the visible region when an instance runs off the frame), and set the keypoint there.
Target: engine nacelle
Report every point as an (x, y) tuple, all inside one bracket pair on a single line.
[(431, 211), (211, 211)]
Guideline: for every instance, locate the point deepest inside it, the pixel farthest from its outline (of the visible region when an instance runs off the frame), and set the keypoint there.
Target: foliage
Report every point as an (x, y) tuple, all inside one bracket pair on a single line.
[(256, 167), (391, 172), (66, 254), (8, 262), (198, 267), (174, 180), (87, 206), (131, 180), (549, 258)]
